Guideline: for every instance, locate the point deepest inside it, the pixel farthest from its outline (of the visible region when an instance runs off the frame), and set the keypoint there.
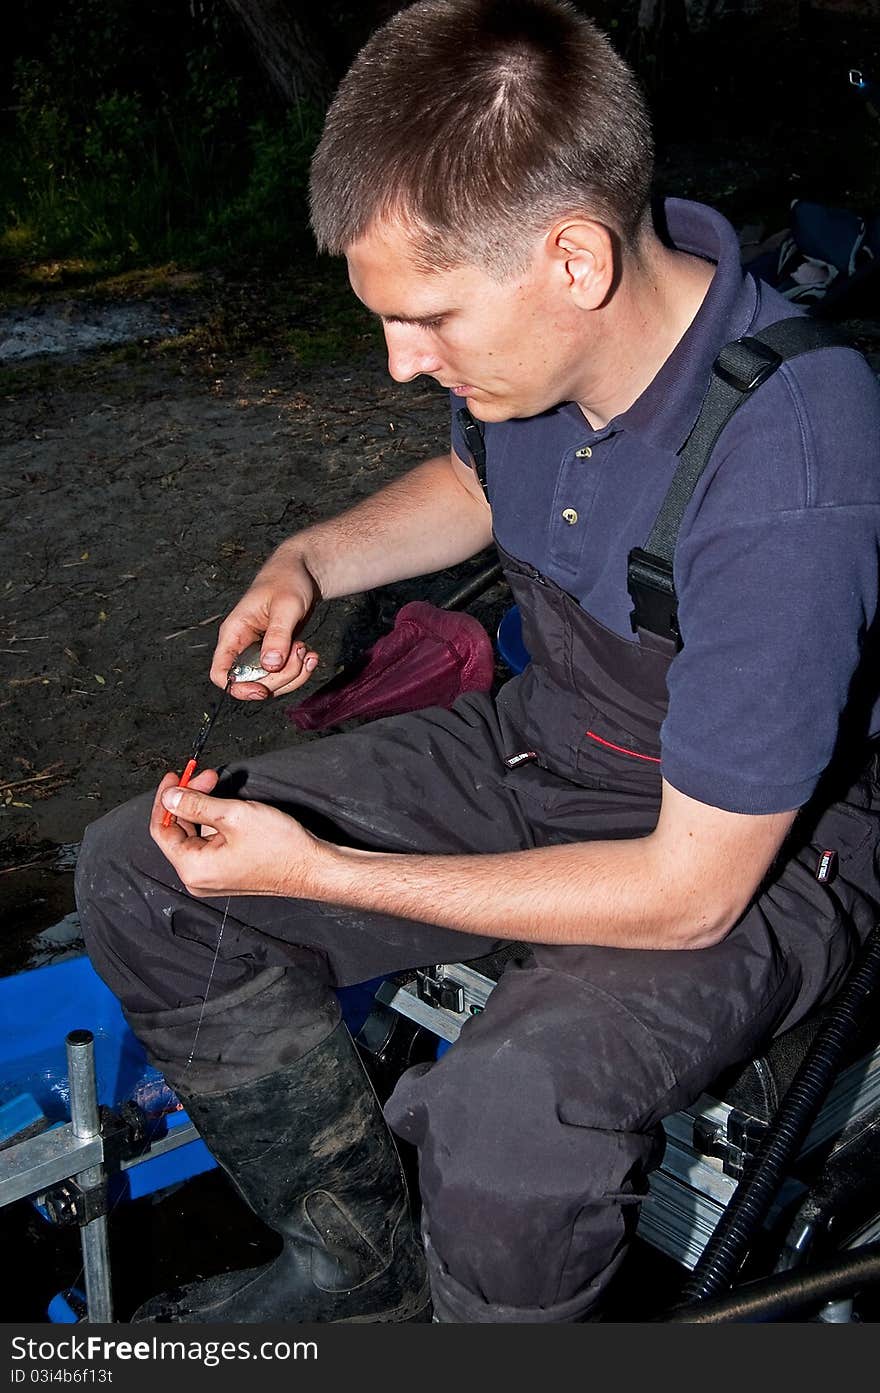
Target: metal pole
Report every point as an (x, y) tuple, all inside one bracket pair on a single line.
[(86, 1124)]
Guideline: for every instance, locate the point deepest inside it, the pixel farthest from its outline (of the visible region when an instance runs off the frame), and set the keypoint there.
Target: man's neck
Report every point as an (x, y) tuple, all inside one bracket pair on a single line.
[(652, 308)]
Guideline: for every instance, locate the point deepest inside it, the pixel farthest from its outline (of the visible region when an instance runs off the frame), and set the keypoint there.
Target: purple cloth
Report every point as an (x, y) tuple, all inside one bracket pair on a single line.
[(430, 658)]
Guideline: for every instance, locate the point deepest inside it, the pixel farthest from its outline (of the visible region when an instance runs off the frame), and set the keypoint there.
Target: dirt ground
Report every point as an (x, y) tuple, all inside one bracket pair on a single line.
[(138, 498), (140, 489), (138, 502)]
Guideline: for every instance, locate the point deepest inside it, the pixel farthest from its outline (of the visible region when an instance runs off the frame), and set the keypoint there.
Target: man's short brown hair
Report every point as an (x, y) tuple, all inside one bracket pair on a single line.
[(479, 123)]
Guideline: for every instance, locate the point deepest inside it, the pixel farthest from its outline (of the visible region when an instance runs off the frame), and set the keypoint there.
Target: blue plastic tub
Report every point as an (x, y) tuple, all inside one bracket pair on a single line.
[(39, 1008), (509, 640)]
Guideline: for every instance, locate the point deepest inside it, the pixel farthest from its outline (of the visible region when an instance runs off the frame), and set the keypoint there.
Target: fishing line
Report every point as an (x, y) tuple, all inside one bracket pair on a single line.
[(246, 668), (210, 980)]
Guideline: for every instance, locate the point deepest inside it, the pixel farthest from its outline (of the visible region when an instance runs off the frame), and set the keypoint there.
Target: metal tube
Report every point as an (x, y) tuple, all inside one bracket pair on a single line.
[(86, 1123), (748, 1208), (28, 1167), (473, 588)]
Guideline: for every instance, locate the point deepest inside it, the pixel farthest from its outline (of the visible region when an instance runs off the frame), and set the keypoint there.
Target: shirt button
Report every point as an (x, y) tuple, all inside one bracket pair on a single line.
[(585, 453), (570, 515)]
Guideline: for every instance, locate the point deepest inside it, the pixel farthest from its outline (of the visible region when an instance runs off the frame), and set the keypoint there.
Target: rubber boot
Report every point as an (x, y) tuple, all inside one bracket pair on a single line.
[(308, 1149)]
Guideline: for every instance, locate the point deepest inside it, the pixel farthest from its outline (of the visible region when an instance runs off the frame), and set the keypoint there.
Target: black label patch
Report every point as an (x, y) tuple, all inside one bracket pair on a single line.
[(827, 867), (512, 761)]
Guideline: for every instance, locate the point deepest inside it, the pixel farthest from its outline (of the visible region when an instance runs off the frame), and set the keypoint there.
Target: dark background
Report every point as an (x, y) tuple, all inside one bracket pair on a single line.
[(131, 132)]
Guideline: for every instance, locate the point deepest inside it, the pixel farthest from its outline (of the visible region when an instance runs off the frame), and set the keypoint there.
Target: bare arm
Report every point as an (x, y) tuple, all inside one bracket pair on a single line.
[(432, 517), (683, 886)]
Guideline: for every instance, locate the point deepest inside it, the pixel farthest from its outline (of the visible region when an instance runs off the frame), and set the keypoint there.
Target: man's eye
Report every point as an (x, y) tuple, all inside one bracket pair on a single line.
[(431, 323)]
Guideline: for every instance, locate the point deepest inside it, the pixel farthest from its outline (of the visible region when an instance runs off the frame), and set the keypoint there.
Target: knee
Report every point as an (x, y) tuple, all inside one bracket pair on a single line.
[(528, 1206), (106, 865), (109, 844)]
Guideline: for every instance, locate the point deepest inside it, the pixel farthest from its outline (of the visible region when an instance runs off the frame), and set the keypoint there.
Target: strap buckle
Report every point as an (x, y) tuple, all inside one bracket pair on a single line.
[(652, 591), (746, 370)]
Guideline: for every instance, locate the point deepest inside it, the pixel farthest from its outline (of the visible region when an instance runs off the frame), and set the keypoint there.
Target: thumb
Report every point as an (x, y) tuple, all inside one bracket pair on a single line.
[(194, 806), (285, 616)]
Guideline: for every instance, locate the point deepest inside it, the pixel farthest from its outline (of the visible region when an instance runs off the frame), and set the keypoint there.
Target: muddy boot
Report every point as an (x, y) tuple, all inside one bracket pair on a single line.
[(308, 1149)]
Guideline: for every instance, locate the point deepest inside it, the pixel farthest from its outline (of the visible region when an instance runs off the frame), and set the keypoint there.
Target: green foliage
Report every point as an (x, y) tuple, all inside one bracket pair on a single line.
[(140, 133), (271, 212)]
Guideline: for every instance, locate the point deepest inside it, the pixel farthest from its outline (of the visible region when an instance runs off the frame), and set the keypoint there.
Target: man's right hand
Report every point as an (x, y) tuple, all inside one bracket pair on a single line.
[(272, 611), (433, 516)]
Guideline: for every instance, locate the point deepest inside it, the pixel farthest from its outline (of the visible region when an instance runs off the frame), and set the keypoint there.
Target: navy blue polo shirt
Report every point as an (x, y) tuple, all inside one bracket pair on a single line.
[(776, 568)]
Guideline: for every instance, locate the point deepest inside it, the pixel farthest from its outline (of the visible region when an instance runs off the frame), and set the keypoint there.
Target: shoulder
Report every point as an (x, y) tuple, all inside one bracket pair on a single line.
[(807, 437)]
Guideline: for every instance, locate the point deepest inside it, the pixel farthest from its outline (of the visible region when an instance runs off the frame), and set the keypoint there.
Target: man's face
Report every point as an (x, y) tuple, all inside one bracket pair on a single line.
[(511, 349)]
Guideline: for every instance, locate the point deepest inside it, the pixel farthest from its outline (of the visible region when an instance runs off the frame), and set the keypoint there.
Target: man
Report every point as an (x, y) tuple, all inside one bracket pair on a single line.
[(646, 811)]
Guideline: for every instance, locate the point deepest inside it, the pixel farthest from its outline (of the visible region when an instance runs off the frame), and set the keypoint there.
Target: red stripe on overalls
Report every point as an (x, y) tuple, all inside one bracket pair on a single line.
[(621, 749)]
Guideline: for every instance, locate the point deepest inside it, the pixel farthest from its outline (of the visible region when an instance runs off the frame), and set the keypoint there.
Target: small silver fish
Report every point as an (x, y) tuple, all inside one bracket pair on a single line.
[(247, 666)]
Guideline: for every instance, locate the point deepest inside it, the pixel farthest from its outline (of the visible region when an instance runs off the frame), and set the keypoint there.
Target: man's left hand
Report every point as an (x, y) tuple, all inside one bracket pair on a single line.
[(229, 846)]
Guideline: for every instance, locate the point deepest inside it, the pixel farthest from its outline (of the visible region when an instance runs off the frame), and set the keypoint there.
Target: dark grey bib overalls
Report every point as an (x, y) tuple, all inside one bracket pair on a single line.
[(536, 1131)]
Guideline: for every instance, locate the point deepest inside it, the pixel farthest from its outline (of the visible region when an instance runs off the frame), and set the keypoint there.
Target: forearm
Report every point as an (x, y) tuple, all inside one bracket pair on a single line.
[(682, 886), (423, 522), (618, 894)]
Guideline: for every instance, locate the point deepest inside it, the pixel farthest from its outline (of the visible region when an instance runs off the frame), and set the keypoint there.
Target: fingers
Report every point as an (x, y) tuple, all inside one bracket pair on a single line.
[(285, 617), (288, 663), (307, 664), (255, 849), (159, 829), (205, 781), (295, 672)]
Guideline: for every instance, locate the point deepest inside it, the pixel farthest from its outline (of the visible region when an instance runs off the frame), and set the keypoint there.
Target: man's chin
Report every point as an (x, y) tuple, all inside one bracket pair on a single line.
[(484, 406), (493, 409)]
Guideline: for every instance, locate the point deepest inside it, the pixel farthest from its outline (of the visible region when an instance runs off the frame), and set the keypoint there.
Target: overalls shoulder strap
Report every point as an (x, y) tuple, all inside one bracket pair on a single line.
[(738, 371), (472, 432)]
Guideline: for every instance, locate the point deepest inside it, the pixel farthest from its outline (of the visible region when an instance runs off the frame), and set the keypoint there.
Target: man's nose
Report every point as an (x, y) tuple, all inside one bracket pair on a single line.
[(409, 354)]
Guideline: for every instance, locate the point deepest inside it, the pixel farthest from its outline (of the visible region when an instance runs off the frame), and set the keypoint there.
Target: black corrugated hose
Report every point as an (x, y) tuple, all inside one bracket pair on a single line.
[(783, 1295), (727, 1248)]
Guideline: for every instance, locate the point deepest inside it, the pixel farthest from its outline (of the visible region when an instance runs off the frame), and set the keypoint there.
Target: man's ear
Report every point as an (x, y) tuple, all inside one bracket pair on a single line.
[(584, 251)]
